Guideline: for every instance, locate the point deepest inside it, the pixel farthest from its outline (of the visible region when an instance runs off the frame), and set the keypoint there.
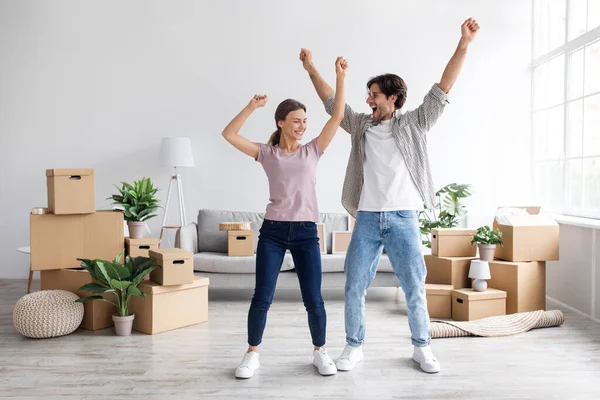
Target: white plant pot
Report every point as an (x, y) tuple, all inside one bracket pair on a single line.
[(136, 229), (123, 325), (486, 251)]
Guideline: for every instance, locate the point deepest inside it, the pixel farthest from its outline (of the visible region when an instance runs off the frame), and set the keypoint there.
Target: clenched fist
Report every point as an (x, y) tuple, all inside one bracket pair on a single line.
[(341, 65), (259, 100), (306, 58), (469, 29)]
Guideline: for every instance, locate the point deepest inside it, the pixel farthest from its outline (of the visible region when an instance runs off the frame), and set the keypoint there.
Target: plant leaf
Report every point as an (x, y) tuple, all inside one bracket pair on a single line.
[(95, 288), (142, 274), (121, 285)]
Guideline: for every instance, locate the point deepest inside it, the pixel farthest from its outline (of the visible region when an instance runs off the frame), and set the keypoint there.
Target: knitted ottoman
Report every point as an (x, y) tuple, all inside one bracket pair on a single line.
[(47, 313)]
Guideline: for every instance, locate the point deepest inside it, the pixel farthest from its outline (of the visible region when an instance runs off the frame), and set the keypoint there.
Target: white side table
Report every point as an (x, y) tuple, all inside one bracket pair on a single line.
[(27, 250)]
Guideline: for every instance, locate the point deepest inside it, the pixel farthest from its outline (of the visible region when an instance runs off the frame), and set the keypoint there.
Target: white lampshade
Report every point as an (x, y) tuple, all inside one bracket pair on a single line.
[(176, 152), (479, 270)]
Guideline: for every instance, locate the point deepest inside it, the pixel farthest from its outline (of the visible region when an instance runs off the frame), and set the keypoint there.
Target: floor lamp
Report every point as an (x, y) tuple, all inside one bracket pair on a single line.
[(175, 152)]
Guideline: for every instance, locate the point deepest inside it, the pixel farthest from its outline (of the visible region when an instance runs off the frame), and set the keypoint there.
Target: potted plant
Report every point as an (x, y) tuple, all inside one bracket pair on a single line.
[(121, 281), (139, 204), (486, 240), (446, 213)]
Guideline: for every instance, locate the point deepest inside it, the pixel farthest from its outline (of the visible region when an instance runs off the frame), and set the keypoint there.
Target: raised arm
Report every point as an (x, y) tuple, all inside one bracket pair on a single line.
[(427, 114), (230, 133), (323, 89), (350, 120), (331, 127), (469, 30)]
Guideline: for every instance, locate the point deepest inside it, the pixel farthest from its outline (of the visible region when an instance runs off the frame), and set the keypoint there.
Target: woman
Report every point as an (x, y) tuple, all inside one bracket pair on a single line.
[(291, 216)]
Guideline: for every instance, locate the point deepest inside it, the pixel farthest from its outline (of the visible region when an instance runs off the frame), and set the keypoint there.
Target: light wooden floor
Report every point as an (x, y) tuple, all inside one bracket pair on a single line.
[(198, 362)]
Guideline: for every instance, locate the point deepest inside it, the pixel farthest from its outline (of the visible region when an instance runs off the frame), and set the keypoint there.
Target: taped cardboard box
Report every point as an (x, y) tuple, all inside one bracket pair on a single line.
[(71, 191), (439, 300), (527, 235), (58, 240), (448, 271), (240, 243), (469, 305), (174, 267), (97, 314), (140, 247), (523, 282), (453, 242), (170, 307)]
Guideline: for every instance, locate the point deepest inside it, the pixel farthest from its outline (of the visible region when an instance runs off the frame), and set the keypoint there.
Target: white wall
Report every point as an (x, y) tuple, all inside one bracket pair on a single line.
[(98, 84), (574, 280)]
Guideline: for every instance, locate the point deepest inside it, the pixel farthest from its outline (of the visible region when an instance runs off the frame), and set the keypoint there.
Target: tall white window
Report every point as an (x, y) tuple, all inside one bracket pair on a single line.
[(566, 106)]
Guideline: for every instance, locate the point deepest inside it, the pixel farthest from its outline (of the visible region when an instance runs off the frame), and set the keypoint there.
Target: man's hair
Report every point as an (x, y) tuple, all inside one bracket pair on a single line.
[(391, 84)]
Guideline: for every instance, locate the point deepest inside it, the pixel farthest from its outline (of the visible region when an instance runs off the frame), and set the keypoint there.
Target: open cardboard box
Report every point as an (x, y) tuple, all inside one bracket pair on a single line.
[(532, 237)]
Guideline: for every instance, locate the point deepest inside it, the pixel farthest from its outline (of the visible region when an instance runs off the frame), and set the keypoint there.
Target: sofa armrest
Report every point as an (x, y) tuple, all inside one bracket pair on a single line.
[(186, 238)]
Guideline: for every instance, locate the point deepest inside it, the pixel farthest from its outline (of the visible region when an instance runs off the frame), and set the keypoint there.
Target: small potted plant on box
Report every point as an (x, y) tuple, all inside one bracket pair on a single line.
[(139, 204), (121, 281), (486, 240)]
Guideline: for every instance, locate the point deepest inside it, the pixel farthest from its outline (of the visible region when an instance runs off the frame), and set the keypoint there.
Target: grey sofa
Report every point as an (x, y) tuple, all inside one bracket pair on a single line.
[(209, 246)]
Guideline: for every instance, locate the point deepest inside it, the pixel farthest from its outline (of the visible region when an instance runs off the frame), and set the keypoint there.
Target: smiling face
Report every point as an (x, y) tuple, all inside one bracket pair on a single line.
[(294, 125), (386, 94), (381, 105)]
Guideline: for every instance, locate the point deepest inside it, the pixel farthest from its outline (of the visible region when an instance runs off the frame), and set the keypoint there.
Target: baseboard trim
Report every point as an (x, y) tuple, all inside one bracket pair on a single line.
[(573, 309)]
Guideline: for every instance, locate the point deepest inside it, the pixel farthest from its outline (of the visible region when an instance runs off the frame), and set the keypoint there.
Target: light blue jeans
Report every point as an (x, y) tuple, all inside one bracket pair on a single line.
[(398, 232)]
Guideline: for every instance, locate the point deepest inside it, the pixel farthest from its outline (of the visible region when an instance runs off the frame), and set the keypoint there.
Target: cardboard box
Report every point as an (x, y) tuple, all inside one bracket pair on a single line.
[(71, 191), (528, 239), (140, 247), (321, 234), (340, 242), (523, 282), (58, 240), (170, 307), (97, 314), (439, 300), (448, 271), (453, 242), (469, 305), (174, 267), (240, 243)]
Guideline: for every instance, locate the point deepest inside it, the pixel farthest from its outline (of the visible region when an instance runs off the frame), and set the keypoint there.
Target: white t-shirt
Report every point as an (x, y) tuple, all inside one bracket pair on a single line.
[(387, 185)]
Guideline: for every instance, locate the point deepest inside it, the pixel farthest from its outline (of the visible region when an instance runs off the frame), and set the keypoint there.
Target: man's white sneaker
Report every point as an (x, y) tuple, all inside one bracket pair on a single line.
[(323, 362), (248, 365), (350, 356), (427, 361)]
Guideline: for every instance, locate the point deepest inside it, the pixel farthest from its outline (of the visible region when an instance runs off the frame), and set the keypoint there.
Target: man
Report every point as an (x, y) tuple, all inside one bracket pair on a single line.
[(387, 180)]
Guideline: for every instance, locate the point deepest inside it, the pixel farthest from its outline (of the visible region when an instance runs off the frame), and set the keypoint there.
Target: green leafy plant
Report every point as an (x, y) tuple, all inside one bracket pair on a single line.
[(447, 212), (113, 277), (485, 235), (138, 200)]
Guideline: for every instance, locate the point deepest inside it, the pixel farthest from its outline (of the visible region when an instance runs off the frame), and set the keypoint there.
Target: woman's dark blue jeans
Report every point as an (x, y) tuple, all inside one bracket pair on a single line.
[(302, 240)]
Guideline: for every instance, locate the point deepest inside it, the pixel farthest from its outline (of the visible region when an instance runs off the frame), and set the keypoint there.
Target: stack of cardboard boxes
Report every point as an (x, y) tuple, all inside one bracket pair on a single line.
[(518, 273), (175, 298), (72, 228)]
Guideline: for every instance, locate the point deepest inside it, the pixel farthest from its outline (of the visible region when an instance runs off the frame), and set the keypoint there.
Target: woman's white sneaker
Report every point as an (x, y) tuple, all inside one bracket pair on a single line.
[(427, 361), (323, 362), (350, 356), (248, 365)]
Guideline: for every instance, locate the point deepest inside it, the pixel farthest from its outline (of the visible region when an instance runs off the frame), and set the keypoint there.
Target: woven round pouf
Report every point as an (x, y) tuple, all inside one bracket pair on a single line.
[(47, 313)]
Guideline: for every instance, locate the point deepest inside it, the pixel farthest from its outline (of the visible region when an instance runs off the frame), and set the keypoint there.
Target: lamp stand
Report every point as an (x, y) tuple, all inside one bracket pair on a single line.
[(479, 285), (182, 217)]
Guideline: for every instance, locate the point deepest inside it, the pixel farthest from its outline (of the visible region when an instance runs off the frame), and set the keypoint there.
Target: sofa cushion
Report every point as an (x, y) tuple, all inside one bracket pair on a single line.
[(222, 263), (335, 263), (212, 240)]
